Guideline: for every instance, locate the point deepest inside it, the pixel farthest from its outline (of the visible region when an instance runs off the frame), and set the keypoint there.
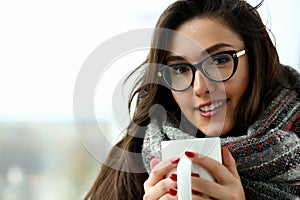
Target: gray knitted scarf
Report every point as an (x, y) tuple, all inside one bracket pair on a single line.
[(267, 157)]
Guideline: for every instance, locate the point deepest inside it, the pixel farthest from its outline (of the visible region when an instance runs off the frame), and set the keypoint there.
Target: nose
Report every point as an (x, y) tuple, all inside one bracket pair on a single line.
[(202, 86)]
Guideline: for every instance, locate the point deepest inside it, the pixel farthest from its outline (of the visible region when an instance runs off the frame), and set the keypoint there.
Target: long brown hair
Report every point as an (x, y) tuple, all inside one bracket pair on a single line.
[(120, 181)]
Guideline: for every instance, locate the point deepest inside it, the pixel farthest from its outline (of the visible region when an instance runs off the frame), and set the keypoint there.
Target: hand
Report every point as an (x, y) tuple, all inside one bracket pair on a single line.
[(158, 186), (228, 184)]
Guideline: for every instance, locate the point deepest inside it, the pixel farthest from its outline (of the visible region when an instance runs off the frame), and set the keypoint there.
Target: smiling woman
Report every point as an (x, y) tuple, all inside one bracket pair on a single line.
[(43, 46), (217, 89), (212, 71)]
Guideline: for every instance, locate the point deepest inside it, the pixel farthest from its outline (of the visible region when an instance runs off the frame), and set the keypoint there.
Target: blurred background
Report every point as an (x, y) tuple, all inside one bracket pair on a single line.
[(43, 45)]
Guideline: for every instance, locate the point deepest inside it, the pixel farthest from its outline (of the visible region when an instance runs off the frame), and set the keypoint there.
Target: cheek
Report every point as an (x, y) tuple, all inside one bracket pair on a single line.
[(176, 98), (238, 85), (181, 99)]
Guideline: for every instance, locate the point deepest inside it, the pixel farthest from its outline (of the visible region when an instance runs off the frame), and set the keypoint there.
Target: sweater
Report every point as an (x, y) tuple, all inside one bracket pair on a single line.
[(267, 156)]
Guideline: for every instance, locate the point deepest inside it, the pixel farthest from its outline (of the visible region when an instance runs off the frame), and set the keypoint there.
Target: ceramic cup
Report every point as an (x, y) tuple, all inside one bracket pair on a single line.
[(210, 147)]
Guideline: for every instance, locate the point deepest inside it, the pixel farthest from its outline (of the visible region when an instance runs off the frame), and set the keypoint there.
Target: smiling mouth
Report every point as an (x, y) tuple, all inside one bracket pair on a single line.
[(213, 106)]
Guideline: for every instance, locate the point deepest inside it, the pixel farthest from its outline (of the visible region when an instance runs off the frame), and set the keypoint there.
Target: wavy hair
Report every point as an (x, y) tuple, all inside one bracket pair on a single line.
[(120, 182)]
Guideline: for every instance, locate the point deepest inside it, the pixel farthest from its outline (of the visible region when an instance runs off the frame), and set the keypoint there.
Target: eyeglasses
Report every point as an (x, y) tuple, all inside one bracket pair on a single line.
[(219, 67)]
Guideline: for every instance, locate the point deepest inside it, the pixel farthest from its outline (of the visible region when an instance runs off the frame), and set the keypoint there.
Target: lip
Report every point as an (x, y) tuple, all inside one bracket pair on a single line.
[(211, 113), (208, 103)]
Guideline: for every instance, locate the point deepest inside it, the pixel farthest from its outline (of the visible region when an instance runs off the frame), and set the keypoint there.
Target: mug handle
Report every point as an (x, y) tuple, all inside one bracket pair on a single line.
[(184, 185)]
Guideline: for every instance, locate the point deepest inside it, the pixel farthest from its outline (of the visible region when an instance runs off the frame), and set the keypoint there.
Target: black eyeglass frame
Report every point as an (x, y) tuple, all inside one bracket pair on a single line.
[(235, 55)]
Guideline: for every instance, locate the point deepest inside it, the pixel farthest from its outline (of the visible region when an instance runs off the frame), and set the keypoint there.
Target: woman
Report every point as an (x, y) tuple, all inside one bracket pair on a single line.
[(231, 86)]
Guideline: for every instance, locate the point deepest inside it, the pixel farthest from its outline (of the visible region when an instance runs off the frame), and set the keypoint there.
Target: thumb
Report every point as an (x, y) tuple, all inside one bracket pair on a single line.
[(229, 161)]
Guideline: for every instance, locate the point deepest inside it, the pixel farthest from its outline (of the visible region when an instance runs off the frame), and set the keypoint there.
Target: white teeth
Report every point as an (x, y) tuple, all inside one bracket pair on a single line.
[(212, 106)]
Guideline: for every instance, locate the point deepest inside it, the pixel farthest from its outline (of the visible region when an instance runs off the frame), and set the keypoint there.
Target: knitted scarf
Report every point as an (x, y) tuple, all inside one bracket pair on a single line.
[(267, 157)]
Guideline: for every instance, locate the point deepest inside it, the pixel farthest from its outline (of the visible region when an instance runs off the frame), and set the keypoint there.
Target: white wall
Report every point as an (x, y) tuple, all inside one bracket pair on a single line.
[(44, 44), (282, 17)]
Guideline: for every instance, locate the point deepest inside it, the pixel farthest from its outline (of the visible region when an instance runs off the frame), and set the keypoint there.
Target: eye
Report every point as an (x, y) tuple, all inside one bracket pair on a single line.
[(179, 68), (220, 59)]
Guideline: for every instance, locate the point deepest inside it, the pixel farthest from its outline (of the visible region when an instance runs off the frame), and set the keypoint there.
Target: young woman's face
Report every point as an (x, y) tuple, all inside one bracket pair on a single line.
[(209, 105)]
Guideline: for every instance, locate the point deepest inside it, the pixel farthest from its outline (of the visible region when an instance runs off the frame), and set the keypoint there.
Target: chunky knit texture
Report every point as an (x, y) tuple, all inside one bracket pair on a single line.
[(267, 157)]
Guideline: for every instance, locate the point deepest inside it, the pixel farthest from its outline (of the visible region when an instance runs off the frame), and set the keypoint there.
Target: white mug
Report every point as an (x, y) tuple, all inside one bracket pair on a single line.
[(210, 147)]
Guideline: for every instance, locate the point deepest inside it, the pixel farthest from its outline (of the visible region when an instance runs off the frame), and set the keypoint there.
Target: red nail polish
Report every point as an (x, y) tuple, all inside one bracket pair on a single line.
[(189, 154), (172, 192), (175, 160), (196, 192), (173, 177), (195, 175)]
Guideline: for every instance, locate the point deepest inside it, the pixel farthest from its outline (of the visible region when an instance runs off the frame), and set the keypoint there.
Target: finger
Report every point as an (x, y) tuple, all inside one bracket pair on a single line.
[(197, 197), (168, 196), (207, 188), (231, 190), (216, 169), (160, 170), (153, 162), (165, 165), (212, 190), (163, 187), (229, 162), (196, 193)]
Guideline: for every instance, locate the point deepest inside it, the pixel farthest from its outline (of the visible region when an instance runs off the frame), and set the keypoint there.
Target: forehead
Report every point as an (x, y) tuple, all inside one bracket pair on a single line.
[(195, 36)]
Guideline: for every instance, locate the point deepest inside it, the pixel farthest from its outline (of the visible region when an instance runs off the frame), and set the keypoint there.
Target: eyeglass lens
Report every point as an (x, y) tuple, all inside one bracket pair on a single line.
[(217, 67)]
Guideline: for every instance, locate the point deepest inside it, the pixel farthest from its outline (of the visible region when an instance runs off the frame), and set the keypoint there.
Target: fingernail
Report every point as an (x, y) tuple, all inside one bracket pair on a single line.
[(151, 158), (173, 177), (189, 154), (175, 160), (196, 192), (172, 192), (195, 175)]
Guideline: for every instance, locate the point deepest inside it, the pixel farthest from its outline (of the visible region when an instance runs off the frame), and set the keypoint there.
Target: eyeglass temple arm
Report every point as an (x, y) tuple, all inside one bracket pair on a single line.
[(240, 53)]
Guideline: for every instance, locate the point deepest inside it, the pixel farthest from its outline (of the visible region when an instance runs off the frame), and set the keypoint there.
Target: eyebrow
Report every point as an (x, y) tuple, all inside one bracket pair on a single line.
[(204, 53), (175, 58)]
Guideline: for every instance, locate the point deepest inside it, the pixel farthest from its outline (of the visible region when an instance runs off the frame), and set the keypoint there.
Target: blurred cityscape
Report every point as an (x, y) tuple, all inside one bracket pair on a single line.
[(44, 161)]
